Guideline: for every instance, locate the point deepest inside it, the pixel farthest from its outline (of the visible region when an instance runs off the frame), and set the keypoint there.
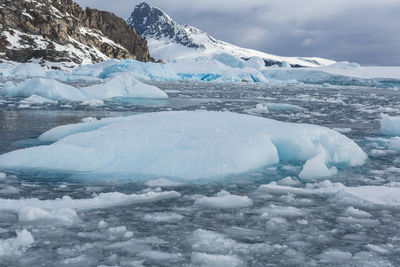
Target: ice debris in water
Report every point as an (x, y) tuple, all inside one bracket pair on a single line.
[(17, 245), (224, 200), (200, 144), (390, 126), (361, 195), (163, 217), (63, 210), (2, 175)]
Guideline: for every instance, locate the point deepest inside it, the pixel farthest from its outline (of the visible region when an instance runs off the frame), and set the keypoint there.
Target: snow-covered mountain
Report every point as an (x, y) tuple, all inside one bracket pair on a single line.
[(169, 40)]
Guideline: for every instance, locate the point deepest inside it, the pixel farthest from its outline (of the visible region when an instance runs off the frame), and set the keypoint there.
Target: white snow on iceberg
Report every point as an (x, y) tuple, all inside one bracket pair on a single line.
[(186, 145)]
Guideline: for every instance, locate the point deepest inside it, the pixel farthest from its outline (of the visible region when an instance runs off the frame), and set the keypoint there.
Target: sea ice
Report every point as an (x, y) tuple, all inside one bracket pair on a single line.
[(2, 175), (224, 200), (200, 144), (63, 210), (37, 215), (335, 256), (163, 217), (390, 126), (375, 195), (205, 259), (17, 245)]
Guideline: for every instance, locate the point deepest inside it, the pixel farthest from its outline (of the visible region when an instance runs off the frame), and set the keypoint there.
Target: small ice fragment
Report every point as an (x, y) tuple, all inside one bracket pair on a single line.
[(316, 167), (17, 245), (163, 217), (224, 200), (3, 175)]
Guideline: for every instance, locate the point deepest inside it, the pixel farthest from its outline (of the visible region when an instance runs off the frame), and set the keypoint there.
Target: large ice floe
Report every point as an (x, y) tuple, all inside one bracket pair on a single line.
[(187, 145)]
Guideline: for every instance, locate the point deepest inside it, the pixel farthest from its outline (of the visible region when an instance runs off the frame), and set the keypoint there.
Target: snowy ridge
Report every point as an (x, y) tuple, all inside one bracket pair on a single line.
[(169, 40)]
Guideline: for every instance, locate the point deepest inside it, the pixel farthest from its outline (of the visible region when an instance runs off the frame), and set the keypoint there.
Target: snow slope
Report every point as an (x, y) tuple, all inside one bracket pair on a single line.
[(169, 40)]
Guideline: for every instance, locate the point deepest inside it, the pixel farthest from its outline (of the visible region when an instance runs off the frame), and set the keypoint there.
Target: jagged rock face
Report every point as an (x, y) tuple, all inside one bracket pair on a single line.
[(154, 23), (61, 31)]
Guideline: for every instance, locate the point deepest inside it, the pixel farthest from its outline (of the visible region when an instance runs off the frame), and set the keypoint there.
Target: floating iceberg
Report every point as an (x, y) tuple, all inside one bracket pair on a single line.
[(390, 126), (186, 145), (47, 88), (120, 85)]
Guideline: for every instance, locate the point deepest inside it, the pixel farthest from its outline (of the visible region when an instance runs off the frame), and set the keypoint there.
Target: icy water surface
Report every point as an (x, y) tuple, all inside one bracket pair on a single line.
[(119, 221)]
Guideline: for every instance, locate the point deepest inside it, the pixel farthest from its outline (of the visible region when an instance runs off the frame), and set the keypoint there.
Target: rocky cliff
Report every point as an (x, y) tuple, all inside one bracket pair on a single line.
[(62, 33)]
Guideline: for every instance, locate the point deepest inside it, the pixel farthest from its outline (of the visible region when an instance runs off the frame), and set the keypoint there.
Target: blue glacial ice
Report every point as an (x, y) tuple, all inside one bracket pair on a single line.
[(187, 145)]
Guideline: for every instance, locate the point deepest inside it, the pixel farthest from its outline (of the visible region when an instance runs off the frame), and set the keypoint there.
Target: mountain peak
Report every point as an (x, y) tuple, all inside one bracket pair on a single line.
[(152, 22), (169, 40)]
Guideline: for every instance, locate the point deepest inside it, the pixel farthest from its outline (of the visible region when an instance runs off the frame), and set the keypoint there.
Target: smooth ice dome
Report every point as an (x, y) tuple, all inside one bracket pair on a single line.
[(122, 85), (390, 126), (186, 145)]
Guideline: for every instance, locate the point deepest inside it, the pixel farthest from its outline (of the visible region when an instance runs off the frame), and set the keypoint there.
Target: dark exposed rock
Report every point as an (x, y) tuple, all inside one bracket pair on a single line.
[(61, 31)]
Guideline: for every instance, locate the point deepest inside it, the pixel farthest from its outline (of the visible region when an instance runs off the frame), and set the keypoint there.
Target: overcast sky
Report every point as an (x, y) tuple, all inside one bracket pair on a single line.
[(364, 31)]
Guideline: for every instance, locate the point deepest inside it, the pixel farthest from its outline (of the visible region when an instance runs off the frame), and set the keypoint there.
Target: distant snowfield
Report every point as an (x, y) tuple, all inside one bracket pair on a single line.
[(367, 72), (188, 145)]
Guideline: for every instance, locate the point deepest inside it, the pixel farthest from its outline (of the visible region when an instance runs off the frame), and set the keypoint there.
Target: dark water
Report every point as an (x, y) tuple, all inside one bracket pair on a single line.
[(192, 234)]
